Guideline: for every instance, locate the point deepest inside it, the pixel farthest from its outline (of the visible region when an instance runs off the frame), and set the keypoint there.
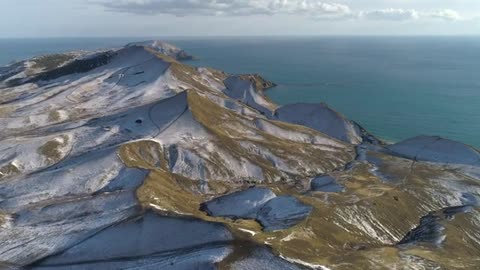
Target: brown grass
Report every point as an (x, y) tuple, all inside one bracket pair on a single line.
[(51, 149), (52, 61), (8, 170), (54, 116)]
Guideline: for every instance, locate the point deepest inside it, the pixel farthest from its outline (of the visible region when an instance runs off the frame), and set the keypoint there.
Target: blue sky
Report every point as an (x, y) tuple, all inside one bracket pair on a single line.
[(122, 18)]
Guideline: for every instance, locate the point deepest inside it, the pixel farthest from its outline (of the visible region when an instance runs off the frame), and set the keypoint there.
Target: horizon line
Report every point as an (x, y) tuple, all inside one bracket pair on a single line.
[(248, 36)]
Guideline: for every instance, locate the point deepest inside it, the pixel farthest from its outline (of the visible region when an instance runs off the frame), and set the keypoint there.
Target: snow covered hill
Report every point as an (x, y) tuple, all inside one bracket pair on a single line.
[(127, 158)]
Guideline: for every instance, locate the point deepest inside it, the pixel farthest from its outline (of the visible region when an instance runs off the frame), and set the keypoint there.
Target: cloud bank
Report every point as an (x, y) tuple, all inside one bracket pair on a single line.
[(311, 8), (410, 14), (227, 7)]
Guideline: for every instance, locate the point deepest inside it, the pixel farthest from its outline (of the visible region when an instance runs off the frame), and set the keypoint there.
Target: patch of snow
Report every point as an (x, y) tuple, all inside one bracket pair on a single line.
[(43, 231), (365, 221), (151, 234), (262, 258), (437, 149), (241, 204), (294, 135), (309, 265), (244, 91), (320, 117), (248, 231)]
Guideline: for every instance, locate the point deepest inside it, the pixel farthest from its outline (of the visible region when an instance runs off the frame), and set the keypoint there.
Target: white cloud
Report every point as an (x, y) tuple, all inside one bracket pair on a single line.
[(446, 14), (391, 14), (316, 9), (410, 14)]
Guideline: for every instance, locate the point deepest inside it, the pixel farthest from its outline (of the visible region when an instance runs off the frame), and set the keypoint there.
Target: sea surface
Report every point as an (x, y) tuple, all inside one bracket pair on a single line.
[(396, 87)]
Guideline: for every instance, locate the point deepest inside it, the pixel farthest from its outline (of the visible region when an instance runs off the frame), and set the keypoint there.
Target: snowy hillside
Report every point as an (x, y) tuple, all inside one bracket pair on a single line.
[(129, 159)]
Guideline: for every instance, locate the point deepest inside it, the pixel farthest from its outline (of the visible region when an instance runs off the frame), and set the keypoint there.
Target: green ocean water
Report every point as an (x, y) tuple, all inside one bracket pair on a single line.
[(396, 87)]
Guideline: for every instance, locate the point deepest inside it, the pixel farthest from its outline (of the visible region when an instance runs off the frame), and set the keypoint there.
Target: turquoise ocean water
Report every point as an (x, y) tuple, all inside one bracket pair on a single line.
[(396, 87)]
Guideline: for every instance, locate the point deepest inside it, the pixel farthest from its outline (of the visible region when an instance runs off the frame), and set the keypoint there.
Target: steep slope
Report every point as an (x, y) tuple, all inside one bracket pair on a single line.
[(320, 117), (127, 158)]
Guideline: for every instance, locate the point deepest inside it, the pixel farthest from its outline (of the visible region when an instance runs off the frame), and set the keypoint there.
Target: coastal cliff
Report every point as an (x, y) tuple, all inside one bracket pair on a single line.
[(129, 158)]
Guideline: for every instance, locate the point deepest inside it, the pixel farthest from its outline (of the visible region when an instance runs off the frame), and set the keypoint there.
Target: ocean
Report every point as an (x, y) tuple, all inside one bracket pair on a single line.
[(396, 87)]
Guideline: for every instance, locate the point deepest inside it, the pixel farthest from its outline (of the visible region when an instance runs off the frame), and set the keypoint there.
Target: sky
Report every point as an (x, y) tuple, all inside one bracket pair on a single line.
[(146, 18)]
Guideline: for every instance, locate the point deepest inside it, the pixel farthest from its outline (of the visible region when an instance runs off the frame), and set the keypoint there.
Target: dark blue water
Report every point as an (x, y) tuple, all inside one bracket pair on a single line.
[(396, 87)]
